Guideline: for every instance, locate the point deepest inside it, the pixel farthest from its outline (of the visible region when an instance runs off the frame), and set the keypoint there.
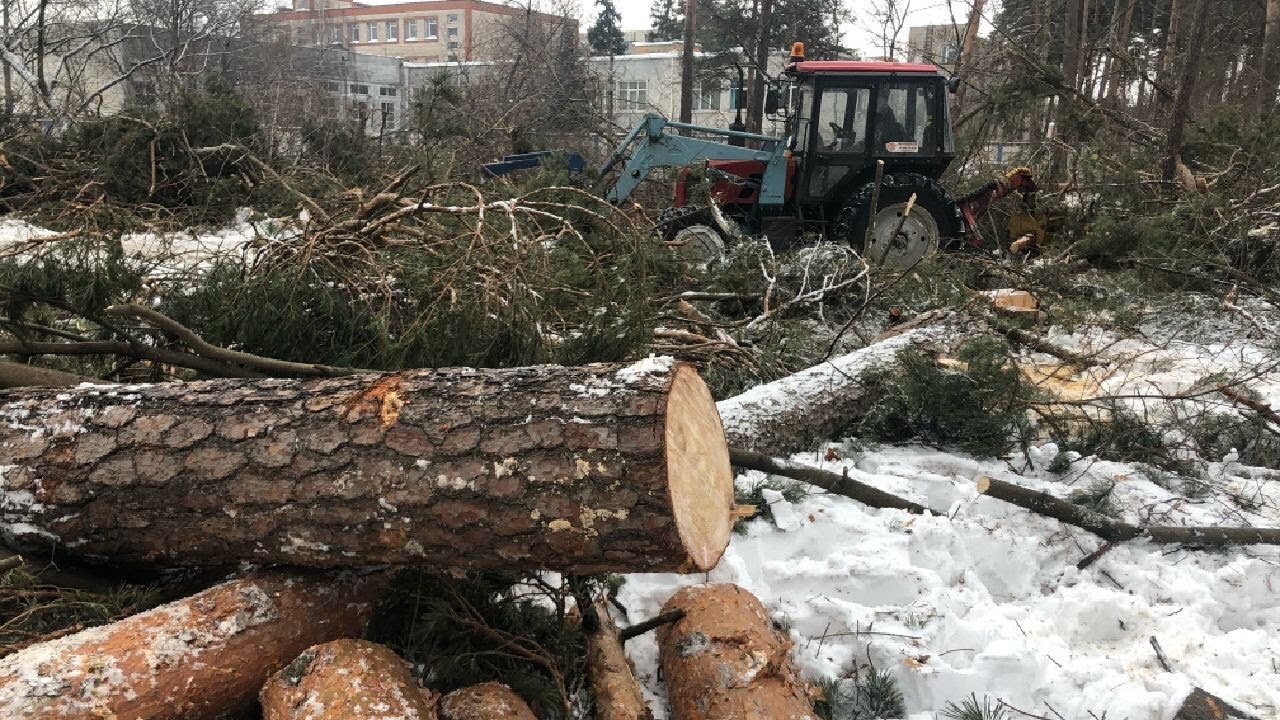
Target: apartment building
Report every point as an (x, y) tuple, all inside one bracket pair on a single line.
[(422, 31)]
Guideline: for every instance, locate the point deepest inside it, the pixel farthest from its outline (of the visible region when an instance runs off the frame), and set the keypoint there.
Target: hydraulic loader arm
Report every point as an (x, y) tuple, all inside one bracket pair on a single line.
[(651, 146)]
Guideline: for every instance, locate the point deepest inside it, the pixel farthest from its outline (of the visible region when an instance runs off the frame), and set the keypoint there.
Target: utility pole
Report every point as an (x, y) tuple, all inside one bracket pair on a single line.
[(686, 64)]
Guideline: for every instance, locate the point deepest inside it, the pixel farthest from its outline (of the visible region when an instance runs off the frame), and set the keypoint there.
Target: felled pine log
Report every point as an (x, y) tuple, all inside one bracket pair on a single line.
[(796, 412), (346, 680), (724, 661), (205, 656), (486, 701), (590, 469)]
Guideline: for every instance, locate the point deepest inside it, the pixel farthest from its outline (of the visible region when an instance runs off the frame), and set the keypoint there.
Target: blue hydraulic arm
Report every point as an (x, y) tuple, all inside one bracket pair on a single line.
[(654, 148)]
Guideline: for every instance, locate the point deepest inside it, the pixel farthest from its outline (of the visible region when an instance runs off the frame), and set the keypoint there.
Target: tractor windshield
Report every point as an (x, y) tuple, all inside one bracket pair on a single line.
[(905, 122)]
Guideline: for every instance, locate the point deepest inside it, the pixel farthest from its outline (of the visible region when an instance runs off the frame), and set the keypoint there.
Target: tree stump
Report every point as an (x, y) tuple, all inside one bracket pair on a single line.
[(724, 661), (593, 469), (486, 701), (201, 657), (346, 680)]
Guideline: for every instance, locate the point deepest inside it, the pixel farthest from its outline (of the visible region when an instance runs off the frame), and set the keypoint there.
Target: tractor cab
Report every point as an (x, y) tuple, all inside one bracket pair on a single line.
[(843, 116)]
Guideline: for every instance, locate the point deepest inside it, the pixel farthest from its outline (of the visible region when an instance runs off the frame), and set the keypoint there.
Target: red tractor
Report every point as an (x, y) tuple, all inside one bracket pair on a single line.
[(843, 118)]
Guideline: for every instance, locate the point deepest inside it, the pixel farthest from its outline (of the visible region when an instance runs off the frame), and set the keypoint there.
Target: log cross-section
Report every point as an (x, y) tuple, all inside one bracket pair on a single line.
[(588, 469)]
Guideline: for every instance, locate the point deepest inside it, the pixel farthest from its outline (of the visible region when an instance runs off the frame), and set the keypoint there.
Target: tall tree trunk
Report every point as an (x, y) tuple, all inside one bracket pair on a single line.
[(1071, 48), (199, 658), (686, 61), (595, 469), (1182, 103), (1172, 42), (1119, 49), (1269, 73), (966, 49), (755, 103)]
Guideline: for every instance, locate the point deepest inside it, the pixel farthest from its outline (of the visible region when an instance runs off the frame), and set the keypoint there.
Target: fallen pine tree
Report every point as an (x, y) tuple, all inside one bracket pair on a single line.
[(593, 469), (201, 657)]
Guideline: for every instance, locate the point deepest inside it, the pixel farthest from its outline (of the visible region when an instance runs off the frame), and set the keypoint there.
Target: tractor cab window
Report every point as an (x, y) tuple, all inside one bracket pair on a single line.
[(799, 123), (905, 118), (842, 120)]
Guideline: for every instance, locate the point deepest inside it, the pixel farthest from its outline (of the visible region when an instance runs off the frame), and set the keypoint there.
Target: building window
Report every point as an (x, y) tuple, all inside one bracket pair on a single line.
[(335, 34), (410, 30), (387, 91), (451, 33), (737, 97), (354, 31), (393, 30), (359, 89), (453, 19), (388, 114), (633, 93), (432, 29), (706, 96), (333, 86), (373, 32)]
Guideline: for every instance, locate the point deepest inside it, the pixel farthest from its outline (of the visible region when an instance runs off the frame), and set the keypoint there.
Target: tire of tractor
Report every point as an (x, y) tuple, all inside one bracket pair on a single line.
[(934, 222), (699, 245)]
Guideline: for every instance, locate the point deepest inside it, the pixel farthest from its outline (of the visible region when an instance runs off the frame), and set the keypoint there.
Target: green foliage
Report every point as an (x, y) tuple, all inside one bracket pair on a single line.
[(979, 408), (1098, 497), (33, 606), (478, 628), (606, 35), (1117, 434), (1215, 434), (971, 709), (873, 696), (341, 149), (753, 494)]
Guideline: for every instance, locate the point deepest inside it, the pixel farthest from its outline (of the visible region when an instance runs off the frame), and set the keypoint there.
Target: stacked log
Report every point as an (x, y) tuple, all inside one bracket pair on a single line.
[(594, 469), (205, 656), (486, 701), (346, 680), (724, 661), (614, 686)]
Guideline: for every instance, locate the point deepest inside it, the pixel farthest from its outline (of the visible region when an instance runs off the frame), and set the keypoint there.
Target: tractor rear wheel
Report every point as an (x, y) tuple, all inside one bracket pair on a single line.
[(897, 242)]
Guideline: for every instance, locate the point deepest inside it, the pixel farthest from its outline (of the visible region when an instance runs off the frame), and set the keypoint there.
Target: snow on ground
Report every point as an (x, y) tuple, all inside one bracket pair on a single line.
[(986, 599), (983, 597)]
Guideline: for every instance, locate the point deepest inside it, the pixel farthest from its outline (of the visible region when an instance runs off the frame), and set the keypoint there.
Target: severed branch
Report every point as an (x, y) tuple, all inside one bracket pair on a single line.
[(213, 368), (208, 351), (656, 621), (14, 374), (1038, 344), (1115, 531), (829, 481)]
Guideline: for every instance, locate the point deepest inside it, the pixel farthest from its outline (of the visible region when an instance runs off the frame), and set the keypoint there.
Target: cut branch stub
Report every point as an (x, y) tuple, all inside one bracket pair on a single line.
[(202, 657), (594, 469)]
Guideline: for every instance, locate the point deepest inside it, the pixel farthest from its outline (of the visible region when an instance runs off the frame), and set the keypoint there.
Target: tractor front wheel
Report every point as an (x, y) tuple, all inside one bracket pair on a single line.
[(898, 239)]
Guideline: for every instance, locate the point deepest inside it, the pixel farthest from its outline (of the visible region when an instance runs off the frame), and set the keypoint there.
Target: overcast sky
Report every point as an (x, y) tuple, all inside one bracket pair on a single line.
[(861, 34)]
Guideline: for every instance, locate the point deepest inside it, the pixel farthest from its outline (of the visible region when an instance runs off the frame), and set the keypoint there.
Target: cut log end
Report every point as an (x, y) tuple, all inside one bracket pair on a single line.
[(487, 701), (346, 680), (699, 475)]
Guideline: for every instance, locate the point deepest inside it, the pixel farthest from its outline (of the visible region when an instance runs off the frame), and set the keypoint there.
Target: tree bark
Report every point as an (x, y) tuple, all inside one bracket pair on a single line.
[(966, 51), (595, 469), (724, 660), (487, 701), (1182, 104), (1071, 48), (201, 657), (346, 680), (616, 692), (1119, 46), (792, 413), (686, 62), (1043, 503), (755, 100)]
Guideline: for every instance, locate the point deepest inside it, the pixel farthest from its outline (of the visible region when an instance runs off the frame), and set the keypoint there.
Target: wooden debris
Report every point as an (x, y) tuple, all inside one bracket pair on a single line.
[(346, 680), (595, 469), (725, 661), (205, 656), (829, 481), (1201, 705), (487, 701)]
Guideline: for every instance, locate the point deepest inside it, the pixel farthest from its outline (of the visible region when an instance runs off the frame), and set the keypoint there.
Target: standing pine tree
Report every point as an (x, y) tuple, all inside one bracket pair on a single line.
[(667, 17), (606, 36)]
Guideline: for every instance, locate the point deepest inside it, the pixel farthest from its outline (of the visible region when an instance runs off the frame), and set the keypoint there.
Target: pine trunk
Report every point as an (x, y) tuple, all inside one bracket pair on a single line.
[(346, 680), (202, 657), (724, 660), (613, 685), (596, 469), (1270, 70)]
